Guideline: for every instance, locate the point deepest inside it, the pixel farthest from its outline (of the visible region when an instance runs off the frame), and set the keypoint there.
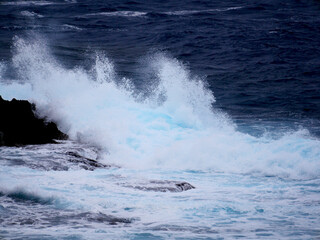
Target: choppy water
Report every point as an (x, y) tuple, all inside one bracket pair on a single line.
[(222, 95), (101, 204)]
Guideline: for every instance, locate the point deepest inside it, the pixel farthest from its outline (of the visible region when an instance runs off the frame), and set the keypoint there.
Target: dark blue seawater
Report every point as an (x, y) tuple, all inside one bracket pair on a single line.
[(224, 95)]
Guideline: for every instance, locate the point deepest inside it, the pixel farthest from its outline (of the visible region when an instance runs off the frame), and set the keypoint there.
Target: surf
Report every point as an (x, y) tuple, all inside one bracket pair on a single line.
[(172, 123)]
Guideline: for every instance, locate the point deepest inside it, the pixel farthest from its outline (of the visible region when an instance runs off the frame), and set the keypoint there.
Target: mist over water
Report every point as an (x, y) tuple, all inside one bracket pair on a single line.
[(171, 123)]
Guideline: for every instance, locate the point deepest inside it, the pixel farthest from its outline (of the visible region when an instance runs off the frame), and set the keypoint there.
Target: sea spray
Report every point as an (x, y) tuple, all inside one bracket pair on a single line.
[(175, 127)]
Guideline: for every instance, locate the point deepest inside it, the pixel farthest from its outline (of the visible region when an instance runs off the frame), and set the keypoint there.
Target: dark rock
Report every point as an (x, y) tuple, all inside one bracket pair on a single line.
[(184, 186), (86, 163), (162, 186), (66, 156), (20, 126), (102, 218)]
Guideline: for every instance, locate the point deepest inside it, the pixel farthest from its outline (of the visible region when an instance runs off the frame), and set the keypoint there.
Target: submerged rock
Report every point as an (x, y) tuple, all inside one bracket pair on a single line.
[(65, 156), (162, 186), (102, 218), (86, 163), (20, 126)]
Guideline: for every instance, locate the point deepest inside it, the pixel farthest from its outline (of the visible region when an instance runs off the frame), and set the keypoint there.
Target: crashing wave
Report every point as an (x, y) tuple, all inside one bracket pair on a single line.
[(171, 124)]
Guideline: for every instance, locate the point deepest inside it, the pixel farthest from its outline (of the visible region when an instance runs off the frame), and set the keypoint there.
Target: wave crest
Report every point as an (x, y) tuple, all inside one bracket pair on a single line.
[(174, 125)]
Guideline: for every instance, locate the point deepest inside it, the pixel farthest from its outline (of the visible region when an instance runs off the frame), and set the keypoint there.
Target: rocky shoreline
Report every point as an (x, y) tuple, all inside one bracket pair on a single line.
[(20, 126)]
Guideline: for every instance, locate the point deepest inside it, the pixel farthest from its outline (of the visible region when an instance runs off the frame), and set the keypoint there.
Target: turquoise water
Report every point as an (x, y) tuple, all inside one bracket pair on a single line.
[(106, 203)]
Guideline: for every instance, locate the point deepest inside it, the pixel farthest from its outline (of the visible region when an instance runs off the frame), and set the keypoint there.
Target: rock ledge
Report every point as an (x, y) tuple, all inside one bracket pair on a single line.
[(20, 126)]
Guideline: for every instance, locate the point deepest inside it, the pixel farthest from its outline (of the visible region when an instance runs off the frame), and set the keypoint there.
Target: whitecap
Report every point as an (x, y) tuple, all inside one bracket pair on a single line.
[(70, 27), (30, 14), (190, 12), (28, 3), (119, 14)]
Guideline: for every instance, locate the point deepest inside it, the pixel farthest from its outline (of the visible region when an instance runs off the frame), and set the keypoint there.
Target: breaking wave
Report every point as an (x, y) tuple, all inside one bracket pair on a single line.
[(170, 13), (30, 14), (189, 12), (119, 14), (172, 123), (28, 3)]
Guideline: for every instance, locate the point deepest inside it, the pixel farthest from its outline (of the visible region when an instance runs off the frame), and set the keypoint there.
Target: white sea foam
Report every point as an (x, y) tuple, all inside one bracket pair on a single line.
[(142, 14), (221, 205), (70, 27), (28, 3), (30, 14), (119, 14), (175, 127), (188, 12)]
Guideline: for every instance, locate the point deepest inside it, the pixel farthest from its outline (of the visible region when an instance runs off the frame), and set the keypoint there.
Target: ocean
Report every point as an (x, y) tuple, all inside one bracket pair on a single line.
[(221, 95)]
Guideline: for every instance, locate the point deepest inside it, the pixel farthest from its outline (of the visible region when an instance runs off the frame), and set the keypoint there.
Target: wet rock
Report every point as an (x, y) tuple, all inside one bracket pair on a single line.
[(20, 126), (184, 186), (162, 186), (102, 218), (67, 155), (84, 162)]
